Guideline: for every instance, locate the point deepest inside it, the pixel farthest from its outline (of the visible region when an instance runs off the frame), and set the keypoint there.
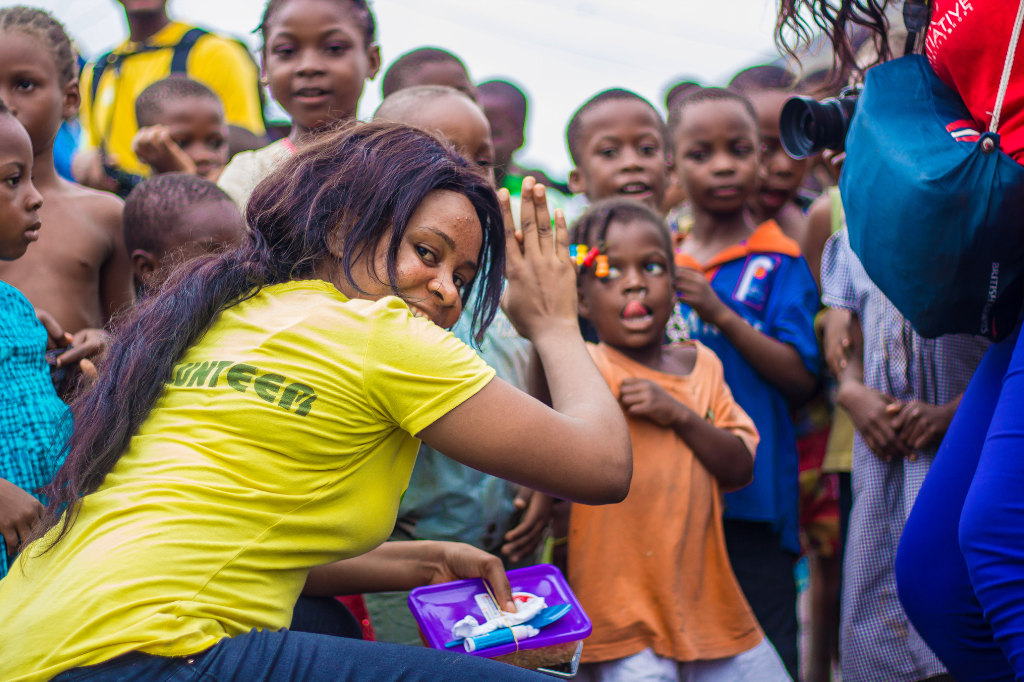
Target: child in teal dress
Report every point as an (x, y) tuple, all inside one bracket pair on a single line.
[(30, 411)]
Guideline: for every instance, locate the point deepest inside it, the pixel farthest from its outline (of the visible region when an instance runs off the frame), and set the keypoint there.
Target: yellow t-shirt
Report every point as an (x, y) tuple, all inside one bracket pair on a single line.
[(219, 63), (281, 442)]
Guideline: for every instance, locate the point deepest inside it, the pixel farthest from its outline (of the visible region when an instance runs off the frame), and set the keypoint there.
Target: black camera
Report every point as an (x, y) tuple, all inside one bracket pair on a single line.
[(808, 126)]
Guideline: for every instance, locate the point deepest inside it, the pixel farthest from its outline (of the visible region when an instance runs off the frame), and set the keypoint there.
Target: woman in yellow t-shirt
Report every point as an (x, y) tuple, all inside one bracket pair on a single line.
[(256, 422)]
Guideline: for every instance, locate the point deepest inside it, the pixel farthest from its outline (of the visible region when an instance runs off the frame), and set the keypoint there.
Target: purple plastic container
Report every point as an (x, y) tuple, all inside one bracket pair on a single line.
[(438, 607)]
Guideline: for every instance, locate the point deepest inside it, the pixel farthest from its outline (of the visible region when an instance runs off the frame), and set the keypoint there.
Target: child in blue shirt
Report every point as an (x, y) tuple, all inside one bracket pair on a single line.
[(747, 294), (29, 407)]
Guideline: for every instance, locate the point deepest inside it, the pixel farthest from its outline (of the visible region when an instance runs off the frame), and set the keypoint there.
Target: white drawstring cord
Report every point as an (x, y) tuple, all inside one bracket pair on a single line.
[(1004, 82)]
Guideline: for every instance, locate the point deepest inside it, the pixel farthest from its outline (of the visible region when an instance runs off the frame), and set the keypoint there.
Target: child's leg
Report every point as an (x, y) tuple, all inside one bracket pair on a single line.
[(761, 663), (764, 571), (931, 574), (992, 523), (645, 666)]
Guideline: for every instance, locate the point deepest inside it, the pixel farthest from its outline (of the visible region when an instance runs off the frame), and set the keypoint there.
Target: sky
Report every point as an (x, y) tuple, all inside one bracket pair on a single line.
[(560, 52)]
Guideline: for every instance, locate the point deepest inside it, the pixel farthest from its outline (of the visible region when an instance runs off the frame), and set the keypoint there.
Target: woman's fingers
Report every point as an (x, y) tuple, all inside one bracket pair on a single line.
[(561, 236), (528, 218), (494, 573), (544, 235)]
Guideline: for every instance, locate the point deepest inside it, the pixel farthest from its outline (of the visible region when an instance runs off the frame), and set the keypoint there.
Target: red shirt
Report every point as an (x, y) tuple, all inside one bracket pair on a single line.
[(966, 45)]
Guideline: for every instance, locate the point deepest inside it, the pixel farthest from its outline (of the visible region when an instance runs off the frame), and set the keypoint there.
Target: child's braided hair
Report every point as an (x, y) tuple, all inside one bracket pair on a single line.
[(42, 25), (361, 7), (591, 228)]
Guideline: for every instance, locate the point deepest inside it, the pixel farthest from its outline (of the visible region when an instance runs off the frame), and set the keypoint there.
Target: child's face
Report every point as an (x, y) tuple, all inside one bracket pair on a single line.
[(630, 308), (441, 73), (622, 153), (200, 229), (506, 121), (781, 174), (464, 125), (197, 126), (30, 85), (438, 257), (316, 61), (717, 155), (19, 200)]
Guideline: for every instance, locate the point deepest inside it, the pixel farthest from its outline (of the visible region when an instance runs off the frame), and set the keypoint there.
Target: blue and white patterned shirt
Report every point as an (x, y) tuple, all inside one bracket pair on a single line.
[(877, 642), (30, 411)]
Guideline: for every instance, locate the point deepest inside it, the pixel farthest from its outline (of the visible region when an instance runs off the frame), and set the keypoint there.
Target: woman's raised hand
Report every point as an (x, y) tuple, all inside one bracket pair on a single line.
[(541, 294)]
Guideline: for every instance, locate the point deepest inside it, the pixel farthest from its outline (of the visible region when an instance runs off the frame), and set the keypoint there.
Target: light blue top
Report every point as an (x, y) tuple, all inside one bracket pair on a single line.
[(30, 411), (450, 501)]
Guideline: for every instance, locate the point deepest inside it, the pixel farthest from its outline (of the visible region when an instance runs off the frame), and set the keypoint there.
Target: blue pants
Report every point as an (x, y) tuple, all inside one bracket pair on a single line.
[(265, 656), (960, 565)]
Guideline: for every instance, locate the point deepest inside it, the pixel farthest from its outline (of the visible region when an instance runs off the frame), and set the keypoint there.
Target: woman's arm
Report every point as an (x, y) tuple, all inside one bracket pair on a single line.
[(579, 448), (396, 566)]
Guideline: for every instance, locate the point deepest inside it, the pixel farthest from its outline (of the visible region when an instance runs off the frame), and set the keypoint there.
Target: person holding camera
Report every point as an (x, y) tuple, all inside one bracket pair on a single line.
[(960, 563)]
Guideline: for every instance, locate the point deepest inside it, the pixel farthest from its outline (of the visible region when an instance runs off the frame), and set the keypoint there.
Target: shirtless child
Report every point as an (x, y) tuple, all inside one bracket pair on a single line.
[(78, 271)]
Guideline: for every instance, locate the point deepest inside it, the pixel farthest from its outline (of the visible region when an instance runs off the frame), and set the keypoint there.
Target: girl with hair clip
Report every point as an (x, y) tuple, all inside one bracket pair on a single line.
[(960, 566), (257, 419)]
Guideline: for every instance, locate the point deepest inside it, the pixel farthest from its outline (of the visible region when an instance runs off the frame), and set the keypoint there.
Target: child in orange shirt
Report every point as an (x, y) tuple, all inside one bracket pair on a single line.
[(652, 571)]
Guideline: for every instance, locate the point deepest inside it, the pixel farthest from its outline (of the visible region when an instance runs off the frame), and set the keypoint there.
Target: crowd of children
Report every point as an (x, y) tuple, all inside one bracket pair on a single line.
[(773, 396)]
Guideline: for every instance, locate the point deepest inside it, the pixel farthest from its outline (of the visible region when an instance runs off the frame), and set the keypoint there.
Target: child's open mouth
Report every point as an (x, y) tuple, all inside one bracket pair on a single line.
[(635, 189), (312, 95), (636, 317), (774, 197)]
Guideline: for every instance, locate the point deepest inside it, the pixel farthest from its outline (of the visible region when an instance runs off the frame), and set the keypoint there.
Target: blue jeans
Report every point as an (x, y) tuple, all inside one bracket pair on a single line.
[(265, 656), (960, 565)]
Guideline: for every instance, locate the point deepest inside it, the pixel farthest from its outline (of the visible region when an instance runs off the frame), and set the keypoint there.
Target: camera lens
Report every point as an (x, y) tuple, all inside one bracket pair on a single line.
[(808, 126)]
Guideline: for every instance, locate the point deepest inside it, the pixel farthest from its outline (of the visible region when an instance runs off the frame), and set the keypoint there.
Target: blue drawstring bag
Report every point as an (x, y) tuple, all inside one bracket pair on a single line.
[(935, 211)]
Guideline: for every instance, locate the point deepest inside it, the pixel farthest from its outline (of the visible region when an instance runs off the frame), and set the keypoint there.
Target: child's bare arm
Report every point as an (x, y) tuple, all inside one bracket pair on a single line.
[(18, 512), (116, 290), (819, 229), (721, 452), (777, 362)]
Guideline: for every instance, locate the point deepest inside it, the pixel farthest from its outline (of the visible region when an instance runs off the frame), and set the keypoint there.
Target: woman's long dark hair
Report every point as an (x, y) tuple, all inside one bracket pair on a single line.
[(799, 19), (357, 186)]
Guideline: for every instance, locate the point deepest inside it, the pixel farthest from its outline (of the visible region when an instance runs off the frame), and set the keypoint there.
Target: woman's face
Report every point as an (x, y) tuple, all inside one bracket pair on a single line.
[(437, 260)]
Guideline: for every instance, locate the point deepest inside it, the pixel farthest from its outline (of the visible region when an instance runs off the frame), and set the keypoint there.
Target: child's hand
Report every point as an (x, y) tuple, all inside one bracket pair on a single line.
[(836, 340), (18, 512), (154, 146), (921, 425), (88, 343), (541, 294), (524, 538), (87, 167), (833, 162), (55, 335), (868, 410), (696, 292), (644, 398)]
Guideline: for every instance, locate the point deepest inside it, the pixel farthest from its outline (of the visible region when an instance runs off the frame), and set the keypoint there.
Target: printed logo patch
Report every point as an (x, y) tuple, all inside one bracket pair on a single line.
[(273, 388), (963, 131), (755, 283)]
